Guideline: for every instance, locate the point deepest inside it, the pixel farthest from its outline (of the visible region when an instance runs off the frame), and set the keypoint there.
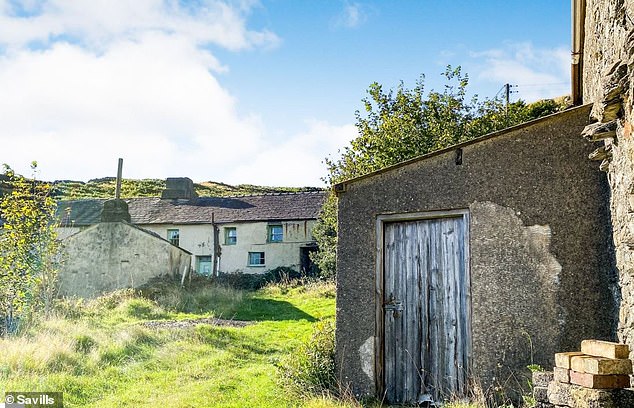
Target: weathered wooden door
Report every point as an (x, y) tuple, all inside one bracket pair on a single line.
[(426, 310)]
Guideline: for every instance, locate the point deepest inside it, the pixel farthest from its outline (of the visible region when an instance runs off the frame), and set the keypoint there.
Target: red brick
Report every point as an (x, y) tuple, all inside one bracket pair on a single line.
[(599, 381)]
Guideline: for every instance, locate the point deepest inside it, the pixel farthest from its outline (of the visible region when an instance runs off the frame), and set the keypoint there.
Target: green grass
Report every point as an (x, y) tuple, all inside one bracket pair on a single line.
[(99, 353), (105, 188), (102, 354)]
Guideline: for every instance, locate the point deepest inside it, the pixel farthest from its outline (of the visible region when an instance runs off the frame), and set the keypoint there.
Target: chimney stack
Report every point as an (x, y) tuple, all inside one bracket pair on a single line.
[(179, 188)]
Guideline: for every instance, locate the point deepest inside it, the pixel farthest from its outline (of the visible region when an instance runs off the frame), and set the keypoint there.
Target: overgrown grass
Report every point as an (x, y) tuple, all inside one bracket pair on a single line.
[(109, 352), (101, 353)]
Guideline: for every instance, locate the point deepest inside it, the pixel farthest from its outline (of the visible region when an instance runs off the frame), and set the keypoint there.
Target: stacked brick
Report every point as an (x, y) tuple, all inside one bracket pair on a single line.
[(595, 377)]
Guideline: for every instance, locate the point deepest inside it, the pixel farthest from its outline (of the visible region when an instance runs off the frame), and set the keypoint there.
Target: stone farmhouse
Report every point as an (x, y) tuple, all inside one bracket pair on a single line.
[(247, 234)]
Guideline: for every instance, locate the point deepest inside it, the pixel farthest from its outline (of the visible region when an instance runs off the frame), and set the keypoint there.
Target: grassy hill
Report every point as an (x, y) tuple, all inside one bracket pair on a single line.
[(105, 188)]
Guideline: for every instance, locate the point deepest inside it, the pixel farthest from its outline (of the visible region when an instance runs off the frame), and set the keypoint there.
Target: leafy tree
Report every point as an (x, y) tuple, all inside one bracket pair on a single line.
[(29, 249), (404, 123)]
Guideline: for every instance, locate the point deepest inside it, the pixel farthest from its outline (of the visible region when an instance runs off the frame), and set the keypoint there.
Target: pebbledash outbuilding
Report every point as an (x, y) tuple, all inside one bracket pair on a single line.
[(464, 266)]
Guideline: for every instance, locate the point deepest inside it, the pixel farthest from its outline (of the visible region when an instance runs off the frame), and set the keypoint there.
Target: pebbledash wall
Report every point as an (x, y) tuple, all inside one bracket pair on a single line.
[(540, 274), (608, 83)]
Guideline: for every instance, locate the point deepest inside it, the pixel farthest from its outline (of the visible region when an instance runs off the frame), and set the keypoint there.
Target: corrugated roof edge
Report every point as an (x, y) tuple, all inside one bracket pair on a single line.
[(341, 187)]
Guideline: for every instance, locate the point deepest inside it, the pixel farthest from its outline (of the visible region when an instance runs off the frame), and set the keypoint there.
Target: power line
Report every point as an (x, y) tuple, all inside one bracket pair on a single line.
[(538, 85)]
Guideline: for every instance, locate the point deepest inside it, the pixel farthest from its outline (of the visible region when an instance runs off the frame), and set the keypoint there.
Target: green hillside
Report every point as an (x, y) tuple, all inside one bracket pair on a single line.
[(105, 188)]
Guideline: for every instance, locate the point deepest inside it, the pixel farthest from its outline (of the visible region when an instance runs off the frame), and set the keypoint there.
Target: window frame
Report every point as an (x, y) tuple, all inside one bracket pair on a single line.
[(228, 236), (207, 260), (261, 258), (270, 233), (174, 240)]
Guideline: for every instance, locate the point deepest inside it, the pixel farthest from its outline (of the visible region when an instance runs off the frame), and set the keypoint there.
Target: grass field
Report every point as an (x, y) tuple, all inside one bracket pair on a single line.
[(125, 350), (102, 353)]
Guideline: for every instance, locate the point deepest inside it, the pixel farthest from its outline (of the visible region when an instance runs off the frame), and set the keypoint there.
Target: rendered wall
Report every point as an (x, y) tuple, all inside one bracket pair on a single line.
[(252, 237), (608, 83), (116, 255), (538, 228), (197, 239)]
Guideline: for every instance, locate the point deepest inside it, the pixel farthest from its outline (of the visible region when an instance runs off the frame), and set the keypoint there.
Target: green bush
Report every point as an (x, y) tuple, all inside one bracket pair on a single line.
[(312, 366), (253, 281)]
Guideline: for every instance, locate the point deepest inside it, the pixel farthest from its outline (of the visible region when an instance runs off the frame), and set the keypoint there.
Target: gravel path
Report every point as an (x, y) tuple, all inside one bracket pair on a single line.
[(181, 324)]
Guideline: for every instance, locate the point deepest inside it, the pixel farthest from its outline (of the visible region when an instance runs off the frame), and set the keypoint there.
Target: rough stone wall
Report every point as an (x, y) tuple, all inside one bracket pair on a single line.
[(608, 83), (116, 255), (539, 224)]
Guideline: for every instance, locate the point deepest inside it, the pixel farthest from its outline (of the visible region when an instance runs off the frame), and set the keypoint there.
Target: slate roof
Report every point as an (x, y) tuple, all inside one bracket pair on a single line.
[(154, 210)]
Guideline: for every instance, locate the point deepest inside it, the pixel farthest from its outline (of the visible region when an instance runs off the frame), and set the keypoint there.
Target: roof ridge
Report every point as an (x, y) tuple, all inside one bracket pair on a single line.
[(277, 193)]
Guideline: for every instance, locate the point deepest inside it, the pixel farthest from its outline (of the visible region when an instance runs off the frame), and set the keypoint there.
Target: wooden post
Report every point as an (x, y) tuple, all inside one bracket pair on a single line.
[(119, 173), (216, 246)]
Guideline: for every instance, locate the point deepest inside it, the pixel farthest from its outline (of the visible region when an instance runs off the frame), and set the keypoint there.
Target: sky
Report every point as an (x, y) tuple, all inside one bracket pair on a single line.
[(244, 91)]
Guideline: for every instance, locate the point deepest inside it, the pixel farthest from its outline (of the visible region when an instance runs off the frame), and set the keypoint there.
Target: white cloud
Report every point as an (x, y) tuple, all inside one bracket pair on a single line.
[(151, 101), (83, 86), (298, 161), (353, 15), (100, 22), (539, 73)]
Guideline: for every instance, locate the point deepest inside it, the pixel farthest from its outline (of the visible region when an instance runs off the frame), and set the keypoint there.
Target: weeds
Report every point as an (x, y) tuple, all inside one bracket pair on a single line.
[(312, 366), (100, 353)]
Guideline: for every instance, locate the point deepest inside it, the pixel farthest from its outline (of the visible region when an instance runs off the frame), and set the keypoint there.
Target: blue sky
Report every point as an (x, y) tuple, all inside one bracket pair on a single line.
[(243, 91)]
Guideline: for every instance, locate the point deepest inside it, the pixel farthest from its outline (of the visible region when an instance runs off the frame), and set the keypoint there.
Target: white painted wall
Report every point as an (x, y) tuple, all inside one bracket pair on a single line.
[(195, 238), (252, 237)]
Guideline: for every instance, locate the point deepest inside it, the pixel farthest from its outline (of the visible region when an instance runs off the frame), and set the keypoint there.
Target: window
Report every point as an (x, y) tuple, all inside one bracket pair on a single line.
[(203, 266), (173, 236), (256, 258), (231, 236), (276, 233)]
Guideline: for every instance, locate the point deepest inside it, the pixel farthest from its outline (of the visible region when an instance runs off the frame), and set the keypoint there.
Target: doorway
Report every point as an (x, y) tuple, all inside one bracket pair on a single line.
[(425, 316)]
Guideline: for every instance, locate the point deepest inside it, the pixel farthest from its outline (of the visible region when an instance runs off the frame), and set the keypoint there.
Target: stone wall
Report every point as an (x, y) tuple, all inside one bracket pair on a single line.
[(608, 61)]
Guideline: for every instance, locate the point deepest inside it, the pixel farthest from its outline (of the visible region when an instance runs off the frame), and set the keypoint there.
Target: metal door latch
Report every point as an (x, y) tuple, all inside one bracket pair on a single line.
[(394, 305)]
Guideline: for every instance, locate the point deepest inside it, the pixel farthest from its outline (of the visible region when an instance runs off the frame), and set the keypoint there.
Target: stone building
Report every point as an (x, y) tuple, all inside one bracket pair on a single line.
[(114, 254), (603, 75), (472, 262), (248, 234)]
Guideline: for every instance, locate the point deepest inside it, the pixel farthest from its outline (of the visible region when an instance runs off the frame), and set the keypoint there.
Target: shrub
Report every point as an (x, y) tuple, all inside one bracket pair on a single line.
[(239, 280), (312, 366), (254, 281)]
